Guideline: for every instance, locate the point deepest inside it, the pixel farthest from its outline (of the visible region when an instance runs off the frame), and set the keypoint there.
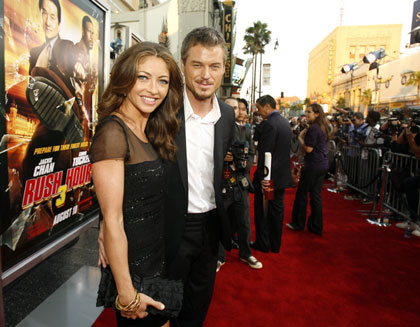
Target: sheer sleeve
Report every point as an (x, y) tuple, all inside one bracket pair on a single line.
[(109, 142)]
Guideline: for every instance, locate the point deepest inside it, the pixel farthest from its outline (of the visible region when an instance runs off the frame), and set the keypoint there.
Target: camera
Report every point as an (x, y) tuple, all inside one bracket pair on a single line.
[(415, 122), (358, 136), (240, 152)]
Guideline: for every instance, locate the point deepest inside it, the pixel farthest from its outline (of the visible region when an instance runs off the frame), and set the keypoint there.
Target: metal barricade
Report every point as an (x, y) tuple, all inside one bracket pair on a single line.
[(362, 167), (393, 199)]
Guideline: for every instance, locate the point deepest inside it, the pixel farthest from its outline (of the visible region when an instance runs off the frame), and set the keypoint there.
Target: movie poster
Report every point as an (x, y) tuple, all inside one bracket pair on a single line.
[(53, 61)]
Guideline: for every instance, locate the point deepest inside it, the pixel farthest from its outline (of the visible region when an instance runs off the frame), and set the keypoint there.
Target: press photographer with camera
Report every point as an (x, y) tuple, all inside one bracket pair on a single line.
[(237, 184), (341, 122), (408, 142), (356, 135), (357, 130)]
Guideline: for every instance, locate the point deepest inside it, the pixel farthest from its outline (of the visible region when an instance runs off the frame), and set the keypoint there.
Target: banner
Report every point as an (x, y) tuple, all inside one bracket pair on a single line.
[(266, 74), (227, 33), (415, 23), (53, 75)]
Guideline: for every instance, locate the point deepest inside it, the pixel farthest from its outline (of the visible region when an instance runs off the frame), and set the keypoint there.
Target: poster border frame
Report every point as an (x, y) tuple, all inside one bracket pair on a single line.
[(30, 261)]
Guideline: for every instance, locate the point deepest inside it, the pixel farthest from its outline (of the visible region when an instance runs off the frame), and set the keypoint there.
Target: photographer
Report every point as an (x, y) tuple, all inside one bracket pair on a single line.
[(394, 125), (238, 163), (408, 142), (358, 129), (357, 134), (371, 139), (342, 121)]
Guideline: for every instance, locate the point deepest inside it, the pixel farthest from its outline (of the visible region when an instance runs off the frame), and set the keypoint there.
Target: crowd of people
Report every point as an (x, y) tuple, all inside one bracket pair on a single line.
[(171, 165), (396, 131)]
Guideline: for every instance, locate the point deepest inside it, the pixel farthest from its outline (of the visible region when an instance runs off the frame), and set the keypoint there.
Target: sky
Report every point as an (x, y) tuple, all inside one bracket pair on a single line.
[(300, 25)]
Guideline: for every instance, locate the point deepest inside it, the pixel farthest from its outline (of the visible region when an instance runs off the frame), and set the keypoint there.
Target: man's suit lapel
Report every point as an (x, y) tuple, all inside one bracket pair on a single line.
[(218, 147), (181, 155)]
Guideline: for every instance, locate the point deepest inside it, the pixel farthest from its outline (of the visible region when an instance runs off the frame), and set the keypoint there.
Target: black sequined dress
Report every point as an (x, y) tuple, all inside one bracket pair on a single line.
[(142, 206)]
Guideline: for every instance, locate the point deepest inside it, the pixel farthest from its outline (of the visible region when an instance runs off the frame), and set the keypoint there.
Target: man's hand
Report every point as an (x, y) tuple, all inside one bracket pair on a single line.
[(265, 184), (103, 259)]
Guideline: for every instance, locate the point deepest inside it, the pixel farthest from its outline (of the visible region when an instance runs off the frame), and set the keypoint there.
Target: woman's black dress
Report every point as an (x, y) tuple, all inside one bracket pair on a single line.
[(142, 209)]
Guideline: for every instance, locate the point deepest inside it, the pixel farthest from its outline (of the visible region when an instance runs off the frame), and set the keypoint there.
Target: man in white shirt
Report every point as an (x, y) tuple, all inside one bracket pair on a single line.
[(195, 217)]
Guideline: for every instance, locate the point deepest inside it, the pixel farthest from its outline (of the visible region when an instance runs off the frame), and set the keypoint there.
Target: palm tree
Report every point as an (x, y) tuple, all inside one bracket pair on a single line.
[(367, 97), (341, 102), (256, 38), (414, 80)]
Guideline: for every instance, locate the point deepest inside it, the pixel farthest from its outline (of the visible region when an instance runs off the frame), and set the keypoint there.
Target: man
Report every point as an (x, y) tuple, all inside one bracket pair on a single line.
[(275, 138), (195, 217), (50, 92), (238, 163), (357, 134), (83, 71), (55, 54), (410, 137)]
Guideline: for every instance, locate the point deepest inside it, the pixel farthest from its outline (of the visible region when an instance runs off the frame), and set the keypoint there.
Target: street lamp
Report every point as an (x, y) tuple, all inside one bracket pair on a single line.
[(276, 45)]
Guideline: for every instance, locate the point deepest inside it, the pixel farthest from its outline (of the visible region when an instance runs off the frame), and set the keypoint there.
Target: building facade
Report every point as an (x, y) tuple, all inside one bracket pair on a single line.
[(346, 45)]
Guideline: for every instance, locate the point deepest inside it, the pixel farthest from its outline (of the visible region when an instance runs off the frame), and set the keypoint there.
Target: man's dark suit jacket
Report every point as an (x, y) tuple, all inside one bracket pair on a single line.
[(176, 186), (275, 137)]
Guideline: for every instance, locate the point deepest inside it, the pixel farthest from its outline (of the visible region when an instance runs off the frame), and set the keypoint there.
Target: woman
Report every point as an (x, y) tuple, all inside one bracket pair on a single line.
[(314, 143), (137, 123)]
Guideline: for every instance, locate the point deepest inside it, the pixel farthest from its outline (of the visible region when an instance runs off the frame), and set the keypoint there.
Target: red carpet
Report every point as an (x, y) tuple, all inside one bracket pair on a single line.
[(356, 274)]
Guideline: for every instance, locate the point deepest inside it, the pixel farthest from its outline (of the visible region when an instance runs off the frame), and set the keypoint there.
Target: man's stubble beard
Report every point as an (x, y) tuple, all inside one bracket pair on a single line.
[(198, 96)]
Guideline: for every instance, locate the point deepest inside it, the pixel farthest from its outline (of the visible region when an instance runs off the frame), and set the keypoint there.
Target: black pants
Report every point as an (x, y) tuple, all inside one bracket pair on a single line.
[(268, 224), (237, 206), (310, 182), (195, 264)]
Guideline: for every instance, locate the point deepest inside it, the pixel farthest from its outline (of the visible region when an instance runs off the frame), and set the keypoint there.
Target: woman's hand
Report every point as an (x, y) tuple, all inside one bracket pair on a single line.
[(141, 312)]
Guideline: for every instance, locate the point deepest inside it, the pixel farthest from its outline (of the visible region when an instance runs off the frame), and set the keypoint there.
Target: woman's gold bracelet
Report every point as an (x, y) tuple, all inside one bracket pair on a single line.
[(132, 306)]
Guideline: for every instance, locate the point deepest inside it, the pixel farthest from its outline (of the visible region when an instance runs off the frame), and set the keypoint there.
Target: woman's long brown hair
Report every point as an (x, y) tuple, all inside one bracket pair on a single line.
[(163, 123), (321, 120)]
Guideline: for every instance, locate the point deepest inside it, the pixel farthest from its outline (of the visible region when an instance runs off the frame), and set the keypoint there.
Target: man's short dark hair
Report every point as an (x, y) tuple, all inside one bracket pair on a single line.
[(57, 4), (86, 20), (374, 116), (358, 115), (267, 99), (205, 36)]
